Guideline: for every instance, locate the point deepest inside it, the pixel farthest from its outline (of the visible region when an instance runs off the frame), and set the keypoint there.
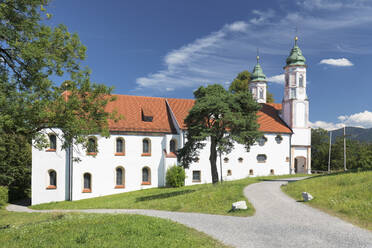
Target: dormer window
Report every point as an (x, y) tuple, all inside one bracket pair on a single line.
[(147, 115)]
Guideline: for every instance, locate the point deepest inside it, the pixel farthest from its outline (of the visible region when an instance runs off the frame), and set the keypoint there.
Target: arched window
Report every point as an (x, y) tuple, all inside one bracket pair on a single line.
[(146, 147), (261, 158), (172, 146), (240, 160), (52, 179), (301, 81), (226, 160), (120, 146), (120, 175), (92, 146), (87, 183), (261, 93), (52, 142), (229, 172), (251, 172), (146, 176), (272, 172)]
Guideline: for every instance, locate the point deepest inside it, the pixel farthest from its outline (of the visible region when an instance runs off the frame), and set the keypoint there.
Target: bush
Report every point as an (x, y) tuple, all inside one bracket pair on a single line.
[(175, 176), (3, 195)]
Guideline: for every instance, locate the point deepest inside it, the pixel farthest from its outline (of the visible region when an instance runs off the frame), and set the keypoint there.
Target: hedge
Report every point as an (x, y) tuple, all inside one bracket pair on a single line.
[(3, 195)]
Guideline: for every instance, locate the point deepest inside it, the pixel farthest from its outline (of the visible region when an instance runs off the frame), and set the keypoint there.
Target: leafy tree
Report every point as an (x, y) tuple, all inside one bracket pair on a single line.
[(221, 117), (31, 55), (15, 164), (319, 149), (241, 83), (358, 155), (175, 176)]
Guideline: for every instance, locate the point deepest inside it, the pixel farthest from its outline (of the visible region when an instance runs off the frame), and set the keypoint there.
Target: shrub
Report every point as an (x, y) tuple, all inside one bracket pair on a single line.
[(3, 195), (175, 176)]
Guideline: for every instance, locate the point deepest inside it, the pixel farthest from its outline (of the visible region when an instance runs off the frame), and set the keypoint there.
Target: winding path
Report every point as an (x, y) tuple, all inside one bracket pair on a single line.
[(279, 221)]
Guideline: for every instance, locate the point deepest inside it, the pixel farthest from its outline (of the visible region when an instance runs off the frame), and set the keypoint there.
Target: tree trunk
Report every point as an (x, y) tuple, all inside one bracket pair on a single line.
[(213, 159)]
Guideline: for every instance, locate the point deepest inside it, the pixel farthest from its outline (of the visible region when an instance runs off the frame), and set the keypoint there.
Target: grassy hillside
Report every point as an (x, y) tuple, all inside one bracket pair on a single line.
[(347, 195), (203, 198), (96, 230)]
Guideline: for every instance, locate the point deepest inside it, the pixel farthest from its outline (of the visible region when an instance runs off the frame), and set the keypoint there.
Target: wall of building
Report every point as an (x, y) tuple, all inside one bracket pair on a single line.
[(42, 162), (103, 166)]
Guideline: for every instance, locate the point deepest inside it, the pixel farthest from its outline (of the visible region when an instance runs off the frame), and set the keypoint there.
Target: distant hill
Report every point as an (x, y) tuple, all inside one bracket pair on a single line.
[(355, 133)]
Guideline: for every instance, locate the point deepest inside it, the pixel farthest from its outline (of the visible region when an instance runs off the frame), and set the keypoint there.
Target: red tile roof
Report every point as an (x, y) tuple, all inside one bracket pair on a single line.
[(132, 107)]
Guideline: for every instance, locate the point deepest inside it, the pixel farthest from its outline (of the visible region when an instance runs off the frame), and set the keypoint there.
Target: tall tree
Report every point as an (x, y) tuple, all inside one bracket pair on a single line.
[(31, 54), (241, 83), (221, 117)]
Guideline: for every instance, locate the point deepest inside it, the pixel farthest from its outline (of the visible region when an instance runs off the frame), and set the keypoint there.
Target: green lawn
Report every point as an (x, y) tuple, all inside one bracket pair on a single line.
[(203, 198), (96, 230), (347, 195)]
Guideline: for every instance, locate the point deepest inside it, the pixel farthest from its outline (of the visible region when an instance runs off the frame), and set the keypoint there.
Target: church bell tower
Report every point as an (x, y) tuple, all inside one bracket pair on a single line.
[(295, 110), (257, 85)]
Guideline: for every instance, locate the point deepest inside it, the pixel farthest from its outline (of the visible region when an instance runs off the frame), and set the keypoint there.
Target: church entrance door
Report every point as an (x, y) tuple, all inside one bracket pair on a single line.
[(300, 165)]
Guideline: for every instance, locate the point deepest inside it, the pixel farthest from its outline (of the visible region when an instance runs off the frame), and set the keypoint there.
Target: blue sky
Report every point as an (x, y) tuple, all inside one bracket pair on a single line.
[(169, 48)]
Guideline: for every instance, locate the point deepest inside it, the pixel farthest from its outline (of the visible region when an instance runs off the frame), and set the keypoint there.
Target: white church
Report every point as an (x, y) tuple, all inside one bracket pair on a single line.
[(142, 146)]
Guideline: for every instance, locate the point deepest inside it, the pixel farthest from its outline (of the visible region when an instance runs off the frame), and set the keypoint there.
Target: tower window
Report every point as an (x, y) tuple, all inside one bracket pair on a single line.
[(293, 93), (301, 81), (226, 160), (261, 93), (240, 160)]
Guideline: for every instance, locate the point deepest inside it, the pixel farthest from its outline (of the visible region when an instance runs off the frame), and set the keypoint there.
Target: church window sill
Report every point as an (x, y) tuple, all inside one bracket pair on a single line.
[(51, 187), (120, 154), (87, 191)]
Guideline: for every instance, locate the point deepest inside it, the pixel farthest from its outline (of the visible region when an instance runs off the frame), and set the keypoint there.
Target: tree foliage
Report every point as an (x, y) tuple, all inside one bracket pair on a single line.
[(33, 59), (241, 83), (175, 176), (221, 117), (358, 154), (33, 53)]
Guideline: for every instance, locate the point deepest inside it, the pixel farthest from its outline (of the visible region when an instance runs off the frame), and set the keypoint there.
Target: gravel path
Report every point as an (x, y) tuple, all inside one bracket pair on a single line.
[(279, 221)]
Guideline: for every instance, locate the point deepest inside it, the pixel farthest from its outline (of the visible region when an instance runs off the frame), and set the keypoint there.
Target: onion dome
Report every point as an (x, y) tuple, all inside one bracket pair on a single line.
[(296, 57), (257, 74)]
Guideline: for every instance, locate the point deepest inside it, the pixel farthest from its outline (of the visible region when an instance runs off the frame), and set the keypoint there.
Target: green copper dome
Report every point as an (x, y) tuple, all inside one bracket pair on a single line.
[(296, 57), (257, 74)]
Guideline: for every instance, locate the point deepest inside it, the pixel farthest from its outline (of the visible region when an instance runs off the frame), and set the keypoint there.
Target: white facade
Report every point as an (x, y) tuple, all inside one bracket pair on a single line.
[(102, 167), (54, 178)]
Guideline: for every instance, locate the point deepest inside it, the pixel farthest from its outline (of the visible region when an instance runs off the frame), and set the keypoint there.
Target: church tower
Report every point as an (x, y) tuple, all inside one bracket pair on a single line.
[(257, 85), (295, 110)]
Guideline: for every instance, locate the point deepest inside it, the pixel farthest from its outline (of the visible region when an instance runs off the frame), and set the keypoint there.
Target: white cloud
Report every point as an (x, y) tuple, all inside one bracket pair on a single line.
[(362, 119), (263, 16), (342, 62), (238, 26), (279, 79), (220, 55), (326, 125), (169, 89)]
